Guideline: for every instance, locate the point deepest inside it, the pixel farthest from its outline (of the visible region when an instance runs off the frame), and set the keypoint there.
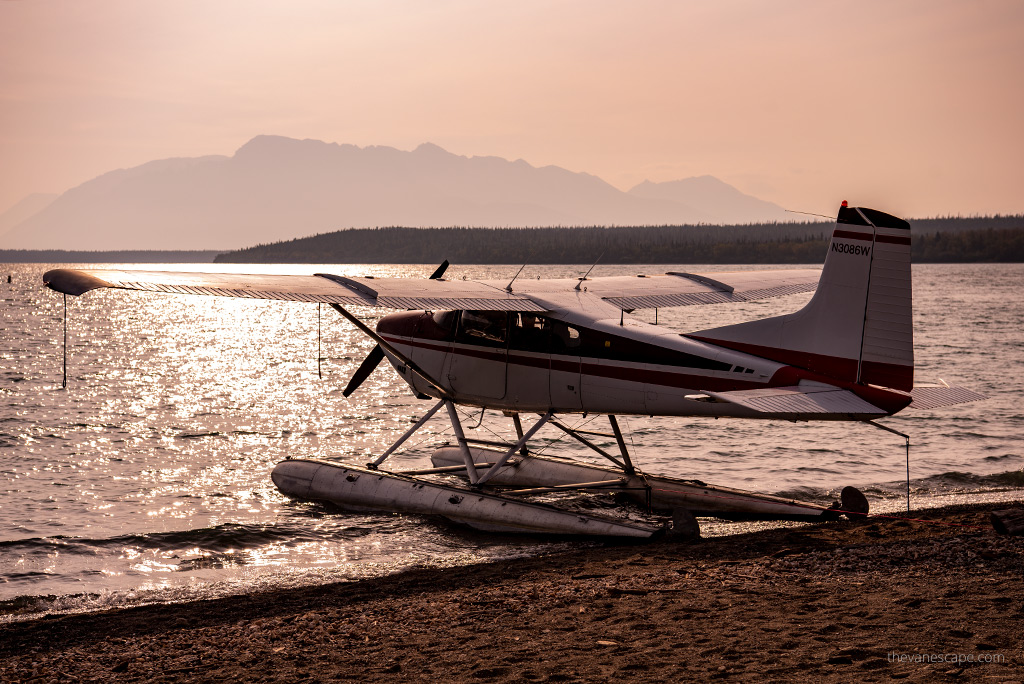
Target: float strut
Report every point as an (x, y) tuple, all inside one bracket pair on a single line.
[(628, 464), (524, 452), (586, 442), (401, 440), (460, 436), (490, 472)]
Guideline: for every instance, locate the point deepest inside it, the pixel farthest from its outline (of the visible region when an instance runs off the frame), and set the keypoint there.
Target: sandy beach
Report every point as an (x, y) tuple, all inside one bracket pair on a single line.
[(845, 601)]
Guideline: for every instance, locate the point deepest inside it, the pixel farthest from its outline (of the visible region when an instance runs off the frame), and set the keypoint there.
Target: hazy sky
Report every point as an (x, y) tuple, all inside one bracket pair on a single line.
[(913, 107)]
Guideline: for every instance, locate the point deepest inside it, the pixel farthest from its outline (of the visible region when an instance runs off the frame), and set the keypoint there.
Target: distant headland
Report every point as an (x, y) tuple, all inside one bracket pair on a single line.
[(935, 240), (951, 240)]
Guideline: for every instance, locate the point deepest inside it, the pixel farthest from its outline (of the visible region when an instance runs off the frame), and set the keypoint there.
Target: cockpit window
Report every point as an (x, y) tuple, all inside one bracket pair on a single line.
[(445, 319)]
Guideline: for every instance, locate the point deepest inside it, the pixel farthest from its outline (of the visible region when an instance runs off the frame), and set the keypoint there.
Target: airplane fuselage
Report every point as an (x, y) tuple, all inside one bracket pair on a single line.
[(535, 363)]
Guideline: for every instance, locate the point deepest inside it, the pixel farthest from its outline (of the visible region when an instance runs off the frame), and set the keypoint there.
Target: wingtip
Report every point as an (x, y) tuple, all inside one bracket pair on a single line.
[(72, 282)]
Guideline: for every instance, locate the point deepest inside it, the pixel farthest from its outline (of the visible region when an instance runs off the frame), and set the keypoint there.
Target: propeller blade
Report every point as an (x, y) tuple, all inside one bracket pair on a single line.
[(440, 270), (368, 365)]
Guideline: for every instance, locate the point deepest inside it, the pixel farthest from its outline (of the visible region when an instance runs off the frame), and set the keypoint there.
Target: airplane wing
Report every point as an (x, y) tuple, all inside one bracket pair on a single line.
[(688, 289), (395, 293), (624, 292)]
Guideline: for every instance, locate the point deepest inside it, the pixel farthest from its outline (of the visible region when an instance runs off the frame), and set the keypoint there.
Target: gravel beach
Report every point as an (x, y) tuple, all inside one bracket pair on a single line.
[(874, 600)]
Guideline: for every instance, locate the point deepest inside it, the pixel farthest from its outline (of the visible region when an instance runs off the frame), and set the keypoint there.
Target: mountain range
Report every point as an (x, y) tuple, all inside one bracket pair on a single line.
[(275, 188)]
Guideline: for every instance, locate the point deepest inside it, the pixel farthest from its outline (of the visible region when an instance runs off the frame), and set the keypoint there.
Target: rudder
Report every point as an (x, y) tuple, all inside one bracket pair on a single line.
[(858, 326)]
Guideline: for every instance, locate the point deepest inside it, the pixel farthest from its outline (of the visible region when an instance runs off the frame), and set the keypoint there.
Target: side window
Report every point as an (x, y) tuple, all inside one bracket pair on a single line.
[(565, 337), (528, 332), (487, 328)]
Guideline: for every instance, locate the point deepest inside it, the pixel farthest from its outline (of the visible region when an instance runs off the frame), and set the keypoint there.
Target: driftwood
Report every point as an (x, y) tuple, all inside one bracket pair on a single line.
[(1009, 522)]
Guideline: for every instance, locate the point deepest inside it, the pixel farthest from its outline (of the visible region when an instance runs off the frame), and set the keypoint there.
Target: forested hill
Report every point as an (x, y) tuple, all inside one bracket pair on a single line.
[(985, 239)]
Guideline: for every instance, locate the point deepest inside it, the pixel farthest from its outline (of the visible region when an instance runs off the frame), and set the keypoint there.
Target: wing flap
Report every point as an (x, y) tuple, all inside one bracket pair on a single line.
[(802, 403), (689, 289)]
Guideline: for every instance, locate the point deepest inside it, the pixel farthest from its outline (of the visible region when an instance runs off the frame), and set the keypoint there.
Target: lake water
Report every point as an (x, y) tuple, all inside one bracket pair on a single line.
[(147, 479)]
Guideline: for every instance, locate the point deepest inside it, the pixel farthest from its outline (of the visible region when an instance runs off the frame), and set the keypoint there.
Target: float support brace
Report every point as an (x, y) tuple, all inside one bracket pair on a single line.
[(460, 436), (586, 442), (630, 470), (409, 433), (490, 472)]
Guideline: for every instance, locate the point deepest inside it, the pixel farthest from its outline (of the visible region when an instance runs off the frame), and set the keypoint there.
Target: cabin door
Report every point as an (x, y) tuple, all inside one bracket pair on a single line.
[(479, 355), (564, 346)]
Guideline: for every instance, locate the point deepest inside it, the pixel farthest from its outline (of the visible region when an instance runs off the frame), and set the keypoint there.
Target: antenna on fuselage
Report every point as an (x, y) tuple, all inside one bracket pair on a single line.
[(808, 213), (508, 288), (580, 283)]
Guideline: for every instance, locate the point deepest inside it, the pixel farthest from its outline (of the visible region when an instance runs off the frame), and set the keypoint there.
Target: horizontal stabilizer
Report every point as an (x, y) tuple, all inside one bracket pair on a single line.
[(937, 396), (815, 402)]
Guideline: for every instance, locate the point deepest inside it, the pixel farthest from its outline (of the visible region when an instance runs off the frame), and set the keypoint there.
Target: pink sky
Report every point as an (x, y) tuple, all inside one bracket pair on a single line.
[(913, 107)]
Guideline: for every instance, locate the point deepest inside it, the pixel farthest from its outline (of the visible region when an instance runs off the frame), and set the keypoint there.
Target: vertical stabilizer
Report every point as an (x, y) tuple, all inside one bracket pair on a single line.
[(858, 326)]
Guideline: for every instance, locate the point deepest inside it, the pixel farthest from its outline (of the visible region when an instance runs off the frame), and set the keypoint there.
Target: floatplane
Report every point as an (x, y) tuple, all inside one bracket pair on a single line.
[(557, 347)]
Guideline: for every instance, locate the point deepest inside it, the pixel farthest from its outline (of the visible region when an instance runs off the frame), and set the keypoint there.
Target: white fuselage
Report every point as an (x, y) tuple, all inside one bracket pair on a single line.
[(536, 364)]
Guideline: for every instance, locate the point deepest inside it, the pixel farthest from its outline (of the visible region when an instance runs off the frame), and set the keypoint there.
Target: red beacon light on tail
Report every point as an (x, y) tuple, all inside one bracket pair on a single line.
[(844, 205)]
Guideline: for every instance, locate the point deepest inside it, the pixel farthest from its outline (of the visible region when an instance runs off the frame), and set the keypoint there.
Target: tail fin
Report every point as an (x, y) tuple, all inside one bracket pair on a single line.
[(858, 326)]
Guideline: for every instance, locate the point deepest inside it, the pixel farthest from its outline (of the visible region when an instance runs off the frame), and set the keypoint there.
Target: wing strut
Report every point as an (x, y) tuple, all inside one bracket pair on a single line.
[(389, 348), (376, 354)]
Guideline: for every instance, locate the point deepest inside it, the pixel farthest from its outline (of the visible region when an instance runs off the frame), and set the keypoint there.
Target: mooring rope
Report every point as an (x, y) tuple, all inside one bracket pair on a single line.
[(65, 383)]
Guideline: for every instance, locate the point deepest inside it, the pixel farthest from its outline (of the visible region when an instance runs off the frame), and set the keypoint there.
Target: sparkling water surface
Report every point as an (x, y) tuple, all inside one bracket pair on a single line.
[(147, 478)]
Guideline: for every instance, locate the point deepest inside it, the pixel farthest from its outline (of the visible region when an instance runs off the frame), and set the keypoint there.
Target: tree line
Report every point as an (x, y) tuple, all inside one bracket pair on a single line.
[(950, 239)]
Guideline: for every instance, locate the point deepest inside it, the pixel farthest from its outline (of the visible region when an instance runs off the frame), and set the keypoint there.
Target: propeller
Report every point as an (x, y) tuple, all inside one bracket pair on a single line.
[(368, 365), (376, 354)]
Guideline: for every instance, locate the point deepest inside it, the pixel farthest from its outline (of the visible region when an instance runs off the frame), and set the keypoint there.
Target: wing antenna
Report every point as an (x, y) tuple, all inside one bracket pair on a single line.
[(808, 213), (588, 271), (508, 288)]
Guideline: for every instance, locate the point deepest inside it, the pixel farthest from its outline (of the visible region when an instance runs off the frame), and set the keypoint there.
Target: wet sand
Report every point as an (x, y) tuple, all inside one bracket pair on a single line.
[(827, 602)]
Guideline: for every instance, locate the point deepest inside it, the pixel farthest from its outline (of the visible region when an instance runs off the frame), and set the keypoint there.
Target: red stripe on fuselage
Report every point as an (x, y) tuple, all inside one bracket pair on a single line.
[(665, 378), (833, 370)]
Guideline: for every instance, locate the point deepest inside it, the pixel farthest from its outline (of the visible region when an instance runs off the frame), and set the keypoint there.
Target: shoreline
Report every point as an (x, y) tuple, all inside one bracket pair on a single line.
[(834, 601)]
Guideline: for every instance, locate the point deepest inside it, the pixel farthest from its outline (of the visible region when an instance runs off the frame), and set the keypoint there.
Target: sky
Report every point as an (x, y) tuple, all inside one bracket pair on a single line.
[(914, 107)]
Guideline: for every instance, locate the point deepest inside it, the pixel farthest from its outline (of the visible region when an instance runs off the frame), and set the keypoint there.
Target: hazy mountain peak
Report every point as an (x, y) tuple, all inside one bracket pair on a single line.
[(708, 194), (429, 148), (266, 146), (277, 188)]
